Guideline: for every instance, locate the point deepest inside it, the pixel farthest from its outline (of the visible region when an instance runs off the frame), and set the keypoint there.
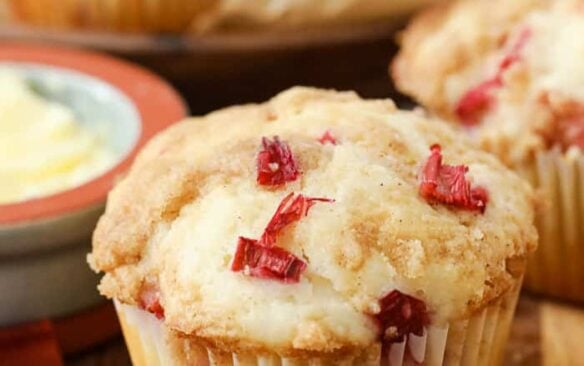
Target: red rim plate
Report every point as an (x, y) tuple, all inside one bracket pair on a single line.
[(157, 103)]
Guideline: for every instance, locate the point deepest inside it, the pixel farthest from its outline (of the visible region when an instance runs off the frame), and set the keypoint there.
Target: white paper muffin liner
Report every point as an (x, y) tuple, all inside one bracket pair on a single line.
[(479, 340), (557, 267)]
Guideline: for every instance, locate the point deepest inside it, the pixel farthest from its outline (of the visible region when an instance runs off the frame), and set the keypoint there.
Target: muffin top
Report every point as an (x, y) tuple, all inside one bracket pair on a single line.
[(294, 225), (510, 71)]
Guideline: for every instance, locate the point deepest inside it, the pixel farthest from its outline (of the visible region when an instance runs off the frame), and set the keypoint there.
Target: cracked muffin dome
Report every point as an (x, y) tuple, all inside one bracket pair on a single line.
[(289, 226), (510, 70)]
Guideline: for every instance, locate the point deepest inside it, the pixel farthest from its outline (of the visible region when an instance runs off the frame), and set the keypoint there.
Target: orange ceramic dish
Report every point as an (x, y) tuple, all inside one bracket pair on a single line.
[(44, 241), (157, 102)]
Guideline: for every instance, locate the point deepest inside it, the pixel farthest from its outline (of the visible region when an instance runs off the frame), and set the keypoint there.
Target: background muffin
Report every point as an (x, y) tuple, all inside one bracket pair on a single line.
[(241, 14), (203, 15), (345, 233), (512, 74), (116, 15)]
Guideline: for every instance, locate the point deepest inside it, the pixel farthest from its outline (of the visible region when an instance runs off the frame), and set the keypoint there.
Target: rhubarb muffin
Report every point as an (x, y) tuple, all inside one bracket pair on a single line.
[(511, 73), (317, 228), (178, 16)]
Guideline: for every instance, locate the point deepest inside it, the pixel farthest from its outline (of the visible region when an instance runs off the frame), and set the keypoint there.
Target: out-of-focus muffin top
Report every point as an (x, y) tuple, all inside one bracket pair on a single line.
[(175, 223), (511, 71), (179, 16), (241, 14)]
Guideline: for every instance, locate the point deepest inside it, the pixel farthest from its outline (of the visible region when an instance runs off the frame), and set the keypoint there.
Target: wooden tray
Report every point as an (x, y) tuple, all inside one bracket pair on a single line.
[(546, 333)]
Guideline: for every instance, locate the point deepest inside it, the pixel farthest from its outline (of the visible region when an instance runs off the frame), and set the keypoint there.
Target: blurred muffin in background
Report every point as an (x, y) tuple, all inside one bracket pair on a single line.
[(511, 74), (116, 15), (240, 14), (202, 15)]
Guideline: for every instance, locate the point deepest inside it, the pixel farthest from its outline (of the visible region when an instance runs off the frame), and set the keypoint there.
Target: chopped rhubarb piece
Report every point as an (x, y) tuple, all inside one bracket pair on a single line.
[(514, 54), (261, 258), (401, 315), (447, 184), (150, 301), (275, 163), (291, 209), (327, 137), (479, 99), (267, 262)]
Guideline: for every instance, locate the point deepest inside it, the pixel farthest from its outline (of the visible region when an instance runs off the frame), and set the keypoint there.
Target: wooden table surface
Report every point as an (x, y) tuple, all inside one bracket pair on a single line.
[(544, 333)]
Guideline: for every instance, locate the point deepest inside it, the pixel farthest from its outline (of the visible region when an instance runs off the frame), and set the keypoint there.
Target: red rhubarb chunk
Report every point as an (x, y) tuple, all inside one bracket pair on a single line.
[(150, 301), (514, 54), (275, 163), (327, 137), (290, 210), (478, 100), (447, 184), (401, 315), (267, 262), (261, 258)]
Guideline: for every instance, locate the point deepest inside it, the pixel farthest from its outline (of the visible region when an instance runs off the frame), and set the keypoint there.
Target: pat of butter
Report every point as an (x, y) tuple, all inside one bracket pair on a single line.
[(43, 149)]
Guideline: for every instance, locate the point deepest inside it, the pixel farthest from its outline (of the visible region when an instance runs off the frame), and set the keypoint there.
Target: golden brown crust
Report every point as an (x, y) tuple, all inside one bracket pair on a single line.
[(175, 219)]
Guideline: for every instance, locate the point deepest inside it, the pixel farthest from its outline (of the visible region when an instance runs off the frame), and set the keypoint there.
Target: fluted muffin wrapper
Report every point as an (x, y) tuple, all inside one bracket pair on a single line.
[(557, 267), (478, 340), (116, 15)]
